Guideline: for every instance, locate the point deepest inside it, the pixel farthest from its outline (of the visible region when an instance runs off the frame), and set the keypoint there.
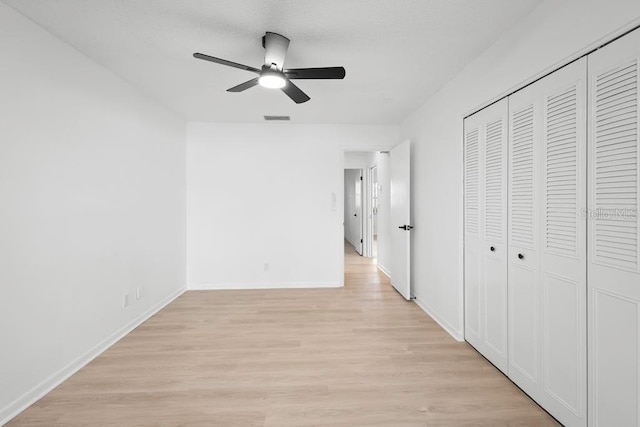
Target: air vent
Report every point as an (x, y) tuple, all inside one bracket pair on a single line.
[(276, 118)]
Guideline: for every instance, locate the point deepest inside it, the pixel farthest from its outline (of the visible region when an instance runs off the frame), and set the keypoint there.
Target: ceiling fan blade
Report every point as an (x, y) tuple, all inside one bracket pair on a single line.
[(244, 86), (315, 73), (295, 93), (225, 62), (275, 47)]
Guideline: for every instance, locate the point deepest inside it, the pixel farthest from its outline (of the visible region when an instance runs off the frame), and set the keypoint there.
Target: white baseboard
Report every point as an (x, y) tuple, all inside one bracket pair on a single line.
[(384, 270), (275, 285), (456, 334), (353, 243), (29, 398)]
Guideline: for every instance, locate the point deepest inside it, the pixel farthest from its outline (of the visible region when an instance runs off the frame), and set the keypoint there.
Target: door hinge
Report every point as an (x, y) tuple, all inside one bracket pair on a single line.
[(360, 240), (360, 178)]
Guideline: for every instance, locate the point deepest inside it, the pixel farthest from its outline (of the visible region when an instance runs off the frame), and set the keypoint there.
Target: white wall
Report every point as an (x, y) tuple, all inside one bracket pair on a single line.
[(359, 159), (262, 194), (551, 33), (92, 178)]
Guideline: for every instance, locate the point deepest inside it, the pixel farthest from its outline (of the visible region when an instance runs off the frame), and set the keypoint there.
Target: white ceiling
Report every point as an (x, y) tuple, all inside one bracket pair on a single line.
[(396, 52)]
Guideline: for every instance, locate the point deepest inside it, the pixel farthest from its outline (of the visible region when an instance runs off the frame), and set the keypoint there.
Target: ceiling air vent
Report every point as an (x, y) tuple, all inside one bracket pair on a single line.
[(275, 118)]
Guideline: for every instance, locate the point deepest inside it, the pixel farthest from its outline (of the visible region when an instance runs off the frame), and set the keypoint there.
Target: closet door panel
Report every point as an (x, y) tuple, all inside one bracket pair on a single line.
[(614, 359), (563, 366), (473, 274), (523, 332), (614, 252), (523, 266), (496, 309), (495, 233), (563, 241)]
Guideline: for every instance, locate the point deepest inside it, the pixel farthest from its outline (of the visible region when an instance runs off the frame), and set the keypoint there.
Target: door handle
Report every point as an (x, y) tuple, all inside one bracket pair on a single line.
[(355, 214), (520, 256), (406, 227), (493, 249)]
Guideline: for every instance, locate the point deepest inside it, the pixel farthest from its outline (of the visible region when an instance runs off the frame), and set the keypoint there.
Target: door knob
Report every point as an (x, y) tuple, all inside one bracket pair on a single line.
[(493, 249), (520, 256)]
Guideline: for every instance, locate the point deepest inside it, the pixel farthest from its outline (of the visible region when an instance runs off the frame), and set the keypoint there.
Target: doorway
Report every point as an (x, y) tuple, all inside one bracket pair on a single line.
[(376, 218), (367, 206), (353, 212)]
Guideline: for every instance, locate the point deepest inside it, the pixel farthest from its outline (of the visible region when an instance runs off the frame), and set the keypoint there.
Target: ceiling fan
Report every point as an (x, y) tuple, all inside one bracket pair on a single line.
[(273, 74)]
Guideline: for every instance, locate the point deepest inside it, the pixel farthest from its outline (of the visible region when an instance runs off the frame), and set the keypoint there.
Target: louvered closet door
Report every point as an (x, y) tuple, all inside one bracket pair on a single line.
[(472, 224), (486, 240), (614, 263), (547, 235), (563, 254), (547, 238), (525, 120)]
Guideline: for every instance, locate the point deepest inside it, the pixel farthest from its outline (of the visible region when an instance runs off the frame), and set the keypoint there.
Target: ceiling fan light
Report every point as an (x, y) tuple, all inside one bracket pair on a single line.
[(272, 81)]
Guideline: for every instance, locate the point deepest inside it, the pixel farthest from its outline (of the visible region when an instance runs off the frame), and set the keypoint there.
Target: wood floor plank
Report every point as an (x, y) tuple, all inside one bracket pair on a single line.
[(354, 356)]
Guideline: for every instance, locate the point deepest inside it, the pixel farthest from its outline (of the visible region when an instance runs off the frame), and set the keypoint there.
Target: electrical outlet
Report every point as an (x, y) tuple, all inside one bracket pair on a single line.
[(138, 293), (125, 301), (266, 266)]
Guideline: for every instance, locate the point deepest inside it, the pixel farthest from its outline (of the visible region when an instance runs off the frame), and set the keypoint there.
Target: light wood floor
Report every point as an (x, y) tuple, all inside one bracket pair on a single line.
[(354, 356)]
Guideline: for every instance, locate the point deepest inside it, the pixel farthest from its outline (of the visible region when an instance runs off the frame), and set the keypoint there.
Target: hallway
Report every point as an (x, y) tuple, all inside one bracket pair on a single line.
[(354, 356)]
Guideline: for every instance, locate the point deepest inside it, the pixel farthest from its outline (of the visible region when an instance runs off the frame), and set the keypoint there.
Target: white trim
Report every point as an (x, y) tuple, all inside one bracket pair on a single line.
[(384, 270), (370, 214), (275, 285), (456, 334), (36, 393), (367, 238), (367, 149), (463, 243)]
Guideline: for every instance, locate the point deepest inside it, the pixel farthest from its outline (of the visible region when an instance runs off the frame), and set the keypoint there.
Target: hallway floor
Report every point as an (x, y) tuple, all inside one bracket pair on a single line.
[(354, 356)]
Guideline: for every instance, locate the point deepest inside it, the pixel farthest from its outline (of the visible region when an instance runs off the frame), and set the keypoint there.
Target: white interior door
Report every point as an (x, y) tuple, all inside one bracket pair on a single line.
[(614, 234), (401, 219)]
